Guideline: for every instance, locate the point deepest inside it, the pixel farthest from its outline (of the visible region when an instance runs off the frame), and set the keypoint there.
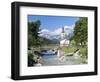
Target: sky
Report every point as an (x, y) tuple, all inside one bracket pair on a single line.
[(52, 23)]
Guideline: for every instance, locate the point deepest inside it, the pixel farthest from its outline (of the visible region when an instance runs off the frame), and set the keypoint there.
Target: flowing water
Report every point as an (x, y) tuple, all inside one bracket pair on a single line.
[(52, 60)]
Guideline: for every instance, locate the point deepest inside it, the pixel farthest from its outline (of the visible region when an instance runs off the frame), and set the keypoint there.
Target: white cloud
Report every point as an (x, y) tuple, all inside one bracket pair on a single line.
[(57, 31), (69, 27), (44, 30), (48, 33)]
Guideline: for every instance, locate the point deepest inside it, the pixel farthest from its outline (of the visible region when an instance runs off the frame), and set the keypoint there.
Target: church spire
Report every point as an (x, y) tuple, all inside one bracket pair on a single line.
[(63, 33), (62, 29)]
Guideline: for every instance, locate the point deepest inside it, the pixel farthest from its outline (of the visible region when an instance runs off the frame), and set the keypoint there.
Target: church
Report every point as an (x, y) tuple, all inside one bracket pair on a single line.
[(64, 41)]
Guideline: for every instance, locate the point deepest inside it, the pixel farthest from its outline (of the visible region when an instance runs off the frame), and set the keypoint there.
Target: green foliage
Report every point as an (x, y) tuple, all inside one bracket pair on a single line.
[(83, 51), (30, 59), (33, 35), (30, 56), (45, 41), (80, 31), (33, 32), (73, 42), (68, 49)]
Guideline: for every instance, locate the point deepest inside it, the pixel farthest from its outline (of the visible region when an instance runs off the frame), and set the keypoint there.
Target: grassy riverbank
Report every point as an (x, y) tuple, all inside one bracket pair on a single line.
[(83, 50)]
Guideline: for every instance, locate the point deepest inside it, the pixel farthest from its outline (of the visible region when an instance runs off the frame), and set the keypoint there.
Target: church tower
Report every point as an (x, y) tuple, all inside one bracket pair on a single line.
[(63, 33)]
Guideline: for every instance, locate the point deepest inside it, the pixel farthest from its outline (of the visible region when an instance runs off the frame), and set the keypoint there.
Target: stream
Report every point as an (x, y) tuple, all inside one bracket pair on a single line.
[(52, 60)]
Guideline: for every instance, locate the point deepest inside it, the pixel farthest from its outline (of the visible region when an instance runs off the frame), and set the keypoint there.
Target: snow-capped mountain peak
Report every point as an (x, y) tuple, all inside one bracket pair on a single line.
[(56, 34)]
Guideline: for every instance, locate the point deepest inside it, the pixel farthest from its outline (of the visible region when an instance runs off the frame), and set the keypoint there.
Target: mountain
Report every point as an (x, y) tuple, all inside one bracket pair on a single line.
[(56, 34)]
